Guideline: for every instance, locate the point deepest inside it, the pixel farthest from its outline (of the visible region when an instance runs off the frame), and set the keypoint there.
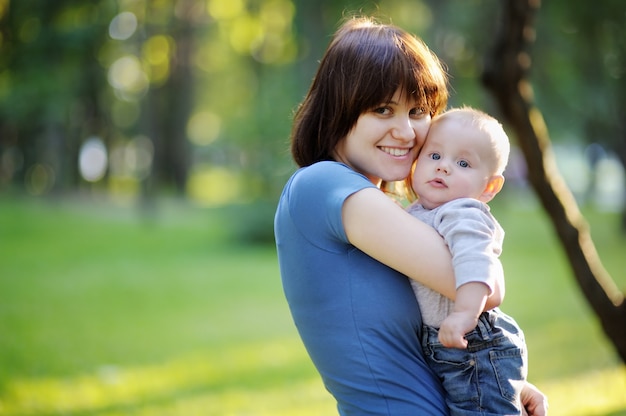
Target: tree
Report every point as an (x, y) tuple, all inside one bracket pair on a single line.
[(506, 76), (49, 89), (168, 106)]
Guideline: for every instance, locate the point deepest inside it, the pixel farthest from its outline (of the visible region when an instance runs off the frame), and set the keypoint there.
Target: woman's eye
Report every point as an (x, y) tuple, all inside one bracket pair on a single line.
[(464, 163), (382, 110), (417, 112)]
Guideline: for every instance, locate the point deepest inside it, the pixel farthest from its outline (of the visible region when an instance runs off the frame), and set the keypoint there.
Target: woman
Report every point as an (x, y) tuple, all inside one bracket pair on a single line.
[(344, 247)]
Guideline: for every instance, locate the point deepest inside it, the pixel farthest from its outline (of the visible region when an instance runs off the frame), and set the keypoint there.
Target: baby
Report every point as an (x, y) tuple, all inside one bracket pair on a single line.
[(479, 356)]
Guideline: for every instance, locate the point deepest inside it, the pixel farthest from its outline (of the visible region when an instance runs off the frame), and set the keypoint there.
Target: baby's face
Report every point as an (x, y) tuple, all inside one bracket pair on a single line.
[(455, 162)]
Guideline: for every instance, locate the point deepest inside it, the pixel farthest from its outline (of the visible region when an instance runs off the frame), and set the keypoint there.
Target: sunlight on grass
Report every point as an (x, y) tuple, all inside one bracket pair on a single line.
[(215, 382), (306, 398), (591, 394), (260, 379)]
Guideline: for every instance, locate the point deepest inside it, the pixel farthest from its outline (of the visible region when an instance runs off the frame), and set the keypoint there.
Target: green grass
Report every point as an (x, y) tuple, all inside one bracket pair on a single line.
[(105, 311)]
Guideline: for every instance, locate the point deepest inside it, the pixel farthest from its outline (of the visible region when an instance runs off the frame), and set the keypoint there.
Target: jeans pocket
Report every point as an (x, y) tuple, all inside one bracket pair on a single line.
[(457, 371), (510, 368)]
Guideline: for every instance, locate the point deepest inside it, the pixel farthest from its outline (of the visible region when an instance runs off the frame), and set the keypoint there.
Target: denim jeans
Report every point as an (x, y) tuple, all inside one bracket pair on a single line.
[(486, 378)]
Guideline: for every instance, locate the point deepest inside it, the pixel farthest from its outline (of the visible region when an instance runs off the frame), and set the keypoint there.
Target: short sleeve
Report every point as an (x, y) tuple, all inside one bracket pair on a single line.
[(315, 199)]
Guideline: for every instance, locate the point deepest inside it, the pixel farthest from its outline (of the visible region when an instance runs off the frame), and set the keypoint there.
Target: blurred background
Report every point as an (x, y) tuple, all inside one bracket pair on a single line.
[(130, 99), (143, 147)]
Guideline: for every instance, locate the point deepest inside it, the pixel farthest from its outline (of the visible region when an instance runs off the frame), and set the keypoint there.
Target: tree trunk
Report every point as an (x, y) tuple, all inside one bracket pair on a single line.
[(505, 75)]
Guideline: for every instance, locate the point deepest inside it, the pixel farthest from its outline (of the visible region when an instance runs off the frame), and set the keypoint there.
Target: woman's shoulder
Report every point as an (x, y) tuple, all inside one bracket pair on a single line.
[(327, 168), (323, 187), (327, 174)]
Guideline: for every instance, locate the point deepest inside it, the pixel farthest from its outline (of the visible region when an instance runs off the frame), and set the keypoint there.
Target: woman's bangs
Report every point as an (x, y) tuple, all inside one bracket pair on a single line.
[(407, 75), (394, 71)]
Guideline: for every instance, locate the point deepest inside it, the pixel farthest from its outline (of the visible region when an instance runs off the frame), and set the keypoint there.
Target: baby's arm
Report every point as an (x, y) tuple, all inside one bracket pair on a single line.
[(469, 304), (474, 238)]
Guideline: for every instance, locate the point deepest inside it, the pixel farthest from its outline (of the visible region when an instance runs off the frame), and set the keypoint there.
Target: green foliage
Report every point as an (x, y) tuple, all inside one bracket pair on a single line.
[(581, 88), (243, 66)]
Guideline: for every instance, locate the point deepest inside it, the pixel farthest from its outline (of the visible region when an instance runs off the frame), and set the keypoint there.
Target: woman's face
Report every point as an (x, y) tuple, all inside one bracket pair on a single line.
[(385, 140)]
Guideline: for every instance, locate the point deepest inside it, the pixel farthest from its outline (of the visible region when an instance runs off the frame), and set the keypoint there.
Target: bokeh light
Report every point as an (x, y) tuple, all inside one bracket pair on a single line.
[(123, 26), (93, 159), (203, 128), (139, 153), (130, 162), (213, 56), (127, 77), (246, 31), (220, 9), (132, 158), (610, 195), (277, 45), (214, 186), (156, 52)]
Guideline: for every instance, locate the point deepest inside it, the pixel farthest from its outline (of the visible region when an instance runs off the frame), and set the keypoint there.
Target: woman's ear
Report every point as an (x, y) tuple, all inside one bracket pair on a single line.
[(494, 185)]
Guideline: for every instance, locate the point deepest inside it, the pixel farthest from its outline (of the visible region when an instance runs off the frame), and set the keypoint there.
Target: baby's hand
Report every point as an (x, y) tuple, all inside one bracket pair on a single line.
[(454, 327)]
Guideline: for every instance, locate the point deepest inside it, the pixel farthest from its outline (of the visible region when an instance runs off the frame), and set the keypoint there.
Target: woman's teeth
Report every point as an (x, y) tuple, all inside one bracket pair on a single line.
[(394, 151)]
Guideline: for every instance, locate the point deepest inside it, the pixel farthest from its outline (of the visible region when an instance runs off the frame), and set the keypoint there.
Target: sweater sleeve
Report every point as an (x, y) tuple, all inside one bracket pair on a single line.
[(474, 238)]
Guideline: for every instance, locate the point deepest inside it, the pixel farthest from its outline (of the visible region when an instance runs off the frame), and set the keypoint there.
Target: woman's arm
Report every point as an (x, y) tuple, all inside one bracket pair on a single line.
[(380, 228)]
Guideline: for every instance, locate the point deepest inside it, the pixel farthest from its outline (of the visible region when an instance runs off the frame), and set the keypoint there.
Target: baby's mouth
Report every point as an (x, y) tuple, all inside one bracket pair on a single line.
[(438, 182)]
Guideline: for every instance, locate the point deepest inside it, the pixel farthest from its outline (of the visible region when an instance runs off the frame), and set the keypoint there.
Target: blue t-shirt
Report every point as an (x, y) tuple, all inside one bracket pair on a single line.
[(358, 318)]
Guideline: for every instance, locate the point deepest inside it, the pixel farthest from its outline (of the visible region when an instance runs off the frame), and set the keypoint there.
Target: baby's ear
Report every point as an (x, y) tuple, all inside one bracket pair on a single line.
[(494, 185)]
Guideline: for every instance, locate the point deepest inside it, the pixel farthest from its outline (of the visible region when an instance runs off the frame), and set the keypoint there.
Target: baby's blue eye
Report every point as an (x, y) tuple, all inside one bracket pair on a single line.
[(463, 164), (435, 156)]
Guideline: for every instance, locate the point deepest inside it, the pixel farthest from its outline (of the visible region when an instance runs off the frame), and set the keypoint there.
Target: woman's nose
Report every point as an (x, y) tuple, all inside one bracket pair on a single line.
[(403, 129)]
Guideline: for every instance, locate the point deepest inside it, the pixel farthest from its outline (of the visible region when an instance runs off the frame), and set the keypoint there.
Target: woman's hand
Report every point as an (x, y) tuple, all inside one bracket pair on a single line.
[(534, 402)]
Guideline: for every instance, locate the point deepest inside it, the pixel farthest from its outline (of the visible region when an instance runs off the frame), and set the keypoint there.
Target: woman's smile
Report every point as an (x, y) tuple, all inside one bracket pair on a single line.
[(396, 151)]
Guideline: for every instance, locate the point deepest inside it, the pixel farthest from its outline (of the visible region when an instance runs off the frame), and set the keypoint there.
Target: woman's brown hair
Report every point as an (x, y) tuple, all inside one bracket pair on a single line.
[(364, 65)]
